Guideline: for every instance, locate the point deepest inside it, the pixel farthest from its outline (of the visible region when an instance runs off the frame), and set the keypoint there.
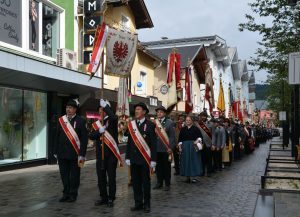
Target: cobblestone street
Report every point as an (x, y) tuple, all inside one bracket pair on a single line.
[(34, 192)]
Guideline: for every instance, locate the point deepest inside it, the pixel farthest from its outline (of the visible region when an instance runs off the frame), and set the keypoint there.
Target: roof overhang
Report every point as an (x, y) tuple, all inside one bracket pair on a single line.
[(139, 10), (23, 72)]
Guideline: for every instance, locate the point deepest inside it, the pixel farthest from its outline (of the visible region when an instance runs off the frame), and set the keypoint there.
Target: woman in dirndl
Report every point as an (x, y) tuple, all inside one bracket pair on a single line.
[(190, 146)]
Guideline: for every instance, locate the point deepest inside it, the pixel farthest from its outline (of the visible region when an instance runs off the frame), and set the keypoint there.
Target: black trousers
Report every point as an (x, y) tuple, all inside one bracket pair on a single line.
[(207, 160), (176, 160), (217, 158), (237, 152), (140, 175), (163, 168), (70, 176), (104, 173)]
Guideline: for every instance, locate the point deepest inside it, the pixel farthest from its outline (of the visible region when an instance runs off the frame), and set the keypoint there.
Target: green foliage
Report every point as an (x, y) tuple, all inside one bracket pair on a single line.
[(261, 91), (278, 25)]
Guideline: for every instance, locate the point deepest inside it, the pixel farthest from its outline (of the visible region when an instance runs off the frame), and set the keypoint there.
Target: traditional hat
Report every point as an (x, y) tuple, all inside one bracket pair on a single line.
[(73, 102), (204, 113), (143, 106), (161, 108)]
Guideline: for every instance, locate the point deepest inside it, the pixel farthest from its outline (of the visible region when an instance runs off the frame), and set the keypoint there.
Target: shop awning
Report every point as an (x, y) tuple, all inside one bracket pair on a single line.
[(24, 72)]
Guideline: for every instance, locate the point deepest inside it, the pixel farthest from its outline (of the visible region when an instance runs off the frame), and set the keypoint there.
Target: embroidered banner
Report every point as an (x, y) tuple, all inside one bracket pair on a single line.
[(120, 53)]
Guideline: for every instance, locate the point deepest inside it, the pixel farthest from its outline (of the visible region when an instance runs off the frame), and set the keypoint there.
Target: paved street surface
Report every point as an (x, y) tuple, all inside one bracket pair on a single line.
[(34, 192)]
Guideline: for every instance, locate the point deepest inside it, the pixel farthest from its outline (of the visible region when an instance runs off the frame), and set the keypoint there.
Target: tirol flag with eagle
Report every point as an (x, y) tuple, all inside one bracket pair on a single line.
[(120, 52), (99, 43), (173, 80), (188, 90)]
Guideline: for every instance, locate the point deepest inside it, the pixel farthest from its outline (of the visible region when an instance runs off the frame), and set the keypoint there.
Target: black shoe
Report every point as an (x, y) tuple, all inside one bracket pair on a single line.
[(64, 198), (101, 202), (136, 208), (176, 174), (167, 188), (72, 199), (188, 180), (110, 203), (147, 209), (157, 186)]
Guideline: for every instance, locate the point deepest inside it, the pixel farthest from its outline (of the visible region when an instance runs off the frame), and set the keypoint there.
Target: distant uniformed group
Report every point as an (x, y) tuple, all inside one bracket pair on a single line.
[(197, 147)]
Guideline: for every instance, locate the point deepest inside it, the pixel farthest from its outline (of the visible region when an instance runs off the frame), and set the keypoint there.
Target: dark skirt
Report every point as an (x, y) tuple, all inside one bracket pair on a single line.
[(191, 164)]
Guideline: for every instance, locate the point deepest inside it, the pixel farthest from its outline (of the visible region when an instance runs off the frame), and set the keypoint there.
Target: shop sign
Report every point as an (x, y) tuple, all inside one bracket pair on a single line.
[(11, 22)]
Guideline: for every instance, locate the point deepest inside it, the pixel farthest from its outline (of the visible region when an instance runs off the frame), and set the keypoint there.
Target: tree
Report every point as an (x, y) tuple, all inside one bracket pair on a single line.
[(279, 38)]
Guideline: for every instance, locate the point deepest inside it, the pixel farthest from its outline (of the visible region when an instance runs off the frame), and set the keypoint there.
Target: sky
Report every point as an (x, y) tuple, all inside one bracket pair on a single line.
[(195, 18)]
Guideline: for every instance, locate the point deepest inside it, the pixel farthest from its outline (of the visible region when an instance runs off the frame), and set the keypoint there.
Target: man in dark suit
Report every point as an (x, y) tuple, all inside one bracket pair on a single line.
[(165, 131), (70, 150), (106, 168), (141, 163)]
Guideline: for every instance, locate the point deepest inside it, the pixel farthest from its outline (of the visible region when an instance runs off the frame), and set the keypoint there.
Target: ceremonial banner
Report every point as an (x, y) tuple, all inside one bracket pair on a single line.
[(123, 102), (209, 91), (100, 39), (188, 91), (221, 100), (173, 79), (120, 52)]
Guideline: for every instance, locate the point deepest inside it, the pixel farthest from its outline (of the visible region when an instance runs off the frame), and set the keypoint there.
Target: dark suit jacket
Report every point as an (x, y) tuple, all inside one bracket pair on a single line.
[(168, 125), (63, 147), (111, 124), (132, 152)]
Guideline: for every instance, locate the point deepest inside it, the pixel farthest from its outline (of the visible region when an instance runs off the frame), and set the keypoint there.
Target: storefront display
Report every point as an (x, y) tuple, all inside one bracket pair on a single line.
[(23, 125)]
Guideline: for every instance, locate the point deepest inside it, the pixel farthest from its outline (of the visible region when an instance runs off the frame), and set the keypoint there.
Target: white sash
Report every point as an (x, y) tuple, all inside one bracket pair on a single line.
[(70, 132)]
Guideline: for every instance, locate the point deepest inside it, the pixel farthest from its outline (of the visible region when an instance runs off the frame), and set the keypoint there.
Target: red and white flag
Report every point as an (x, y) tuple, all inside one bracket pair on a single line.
[(123, 102), (188, 90), (99, 43), (209, 91), (173, 79)]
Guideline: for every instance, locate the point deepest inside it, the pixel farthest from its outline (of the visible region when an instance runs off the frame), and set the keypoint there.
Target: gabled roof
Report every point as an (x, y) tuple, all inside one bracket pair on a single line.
[(252, 78), (189, 52), (139, 10), (216, 43), (243, 70)]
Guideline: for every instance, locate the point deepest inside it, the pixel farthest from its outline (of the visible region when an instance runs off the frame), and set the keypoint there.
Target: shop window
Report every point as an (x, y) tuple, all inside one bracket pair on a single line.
[(33, 25), (50, 32), (10, 125), (35, 125), (23, 125)]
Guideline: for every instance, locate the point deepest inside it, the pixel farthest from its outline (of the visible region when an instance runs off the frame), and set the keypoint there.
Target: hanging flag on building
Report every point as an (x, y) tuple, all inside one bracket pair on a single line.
[(230, 100), (221, 100), (173, 80), (209, 91), (188, 90), (123, 101), (99, 43), (120, 52)]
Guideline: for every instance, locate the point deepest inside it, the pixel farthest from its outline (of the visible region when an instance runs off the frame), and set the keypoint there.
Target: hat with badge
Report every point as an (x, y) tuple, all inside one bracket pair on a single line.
[(73, 102), (143, 106)]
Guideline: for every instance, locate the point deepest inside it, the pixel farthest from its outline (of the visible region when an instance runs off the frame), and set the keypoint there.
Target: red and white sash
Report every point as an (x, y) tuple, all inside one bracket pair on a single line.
[(70, 133), (110, 142), (161, 133), (139, 141)]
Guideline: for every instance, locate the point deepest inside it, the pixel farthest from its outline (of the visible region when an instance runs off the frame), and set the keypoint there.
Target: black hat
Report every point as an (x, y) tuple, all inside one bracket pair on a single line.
[(161, 108), (73, 102), (204, 113), (215, 120), (143, 105)]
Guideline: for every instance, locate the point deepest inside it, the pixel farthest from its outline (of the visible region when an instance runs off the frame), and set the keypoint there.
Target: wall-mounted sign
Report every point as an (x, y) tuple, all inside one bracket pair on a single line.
[(87, 56), (88, 40), (91, 23), (91, 7), (153, 101), (11, 22)]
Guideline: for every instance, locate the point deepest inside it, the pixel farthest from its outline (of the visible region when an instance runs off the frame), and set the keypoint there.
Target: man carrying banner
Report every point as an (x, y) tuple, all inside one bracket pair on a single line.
[(106, 168), (141, 156), (207, 130), (165, 131), (70, 150)]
